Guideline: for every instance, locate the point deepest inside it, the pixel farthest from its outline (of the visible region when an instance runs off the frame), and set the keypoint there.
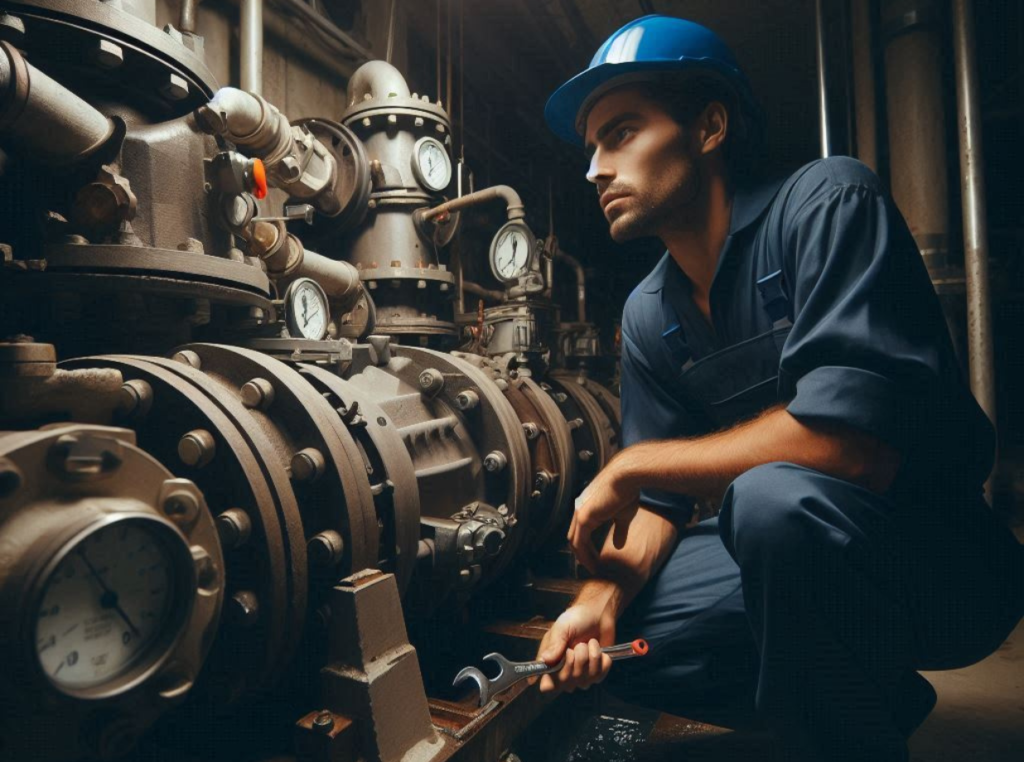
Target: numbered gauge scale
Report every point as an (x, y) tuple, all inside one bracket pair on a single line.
[(512, 251), (431, 165), (112, 604), (306, 310)]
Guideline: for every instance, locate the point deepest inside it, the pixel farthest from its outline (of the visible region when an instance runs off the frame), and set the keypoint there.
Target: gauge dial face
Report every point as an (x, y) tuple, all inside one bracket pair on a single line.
[(107, 606), (510, 252), (432, 166), (306, 310)]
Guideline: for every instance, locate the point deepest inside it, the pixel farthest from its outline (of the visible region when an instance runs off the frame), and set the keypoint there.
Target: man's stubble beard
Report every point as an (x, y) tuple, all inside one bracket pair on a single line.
[(651, 210)]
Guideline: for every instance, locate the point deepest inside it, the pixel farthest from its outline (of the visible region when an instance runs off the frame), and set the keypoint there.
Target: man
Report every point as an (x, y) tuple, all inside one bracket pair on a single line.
[(788, 360)]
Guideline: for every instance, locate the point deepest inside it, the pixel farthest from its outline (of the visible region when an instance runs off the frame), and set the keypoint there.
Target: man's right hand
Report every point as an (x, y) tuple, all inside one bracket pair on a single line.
[(578, 635)]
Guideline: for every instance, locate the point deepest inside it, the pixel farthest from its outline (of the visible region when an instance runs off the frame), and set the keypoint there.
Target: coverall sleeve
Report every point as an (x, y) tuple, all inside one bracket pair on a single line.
[(650, 412), (869, 345)]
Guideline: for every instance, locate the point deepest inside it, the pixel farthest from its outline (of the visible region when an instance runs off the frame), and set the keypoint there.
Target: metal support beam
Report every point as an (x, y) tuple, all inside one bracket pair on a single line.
[(825, 126), (251, 25)]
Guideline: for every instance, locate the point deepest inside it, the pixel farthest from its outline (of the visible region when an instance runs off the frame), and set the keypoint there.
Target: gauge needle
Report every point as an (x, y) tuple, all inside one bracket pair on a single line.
[(109, 598), (311, 315)]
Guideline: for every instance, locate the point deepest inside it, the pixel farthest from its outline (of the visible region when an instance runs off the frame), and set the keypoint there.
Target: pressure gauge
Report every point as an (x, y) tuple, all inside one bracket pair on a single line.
[(511, 251), (431, 165), (306, 310), (113, 604)]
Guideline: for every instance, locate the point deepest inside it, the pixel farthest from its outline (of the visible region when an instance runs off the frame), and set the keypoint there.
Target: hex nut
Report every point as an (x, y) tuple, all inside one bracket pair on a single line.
[(206, 569), (108, 55), (257, 394), (174, 88), (197, 448), (181, 507), (531, 430), (135, 398)]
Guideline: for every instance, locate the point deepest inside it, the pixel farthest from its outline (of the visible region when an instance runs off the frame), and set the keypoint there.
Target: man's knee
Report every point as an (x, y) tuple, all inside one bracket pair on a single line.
[(766, 511)]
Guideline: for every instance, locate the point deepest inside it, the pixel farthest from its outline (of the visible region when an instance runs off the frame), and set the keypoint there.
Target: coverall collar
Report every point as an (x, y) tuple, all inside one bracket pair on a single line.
[(749, 202)]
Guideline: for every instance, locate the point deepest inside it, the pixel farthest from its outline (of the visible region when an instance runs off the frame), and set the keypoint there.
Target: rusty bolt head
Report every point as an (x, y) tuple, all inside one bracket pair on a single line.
[(495, 461), (206, 569), (174, 88), (585, 455), (135, 398), (10, 478), (575, 423), (108, 55), (560, 397), (244, 608), (257, 394), (234, 527), (467, 400), (326, 548), (431, 381), (188, 357), (197, 448), (323, 722), (531, 430), (307, 465)]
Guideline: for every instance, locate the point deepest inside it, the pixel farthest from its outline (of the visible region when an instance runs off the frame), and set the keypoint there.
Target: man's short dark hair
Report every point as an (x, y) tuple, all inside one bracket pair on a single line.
[(685, 98)]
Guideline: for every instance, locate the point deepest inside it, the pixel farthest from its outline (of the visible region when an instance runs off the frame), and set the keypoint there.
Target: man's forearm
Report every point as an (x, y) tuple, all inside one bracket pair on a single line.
[(705, 466), (627, 563)]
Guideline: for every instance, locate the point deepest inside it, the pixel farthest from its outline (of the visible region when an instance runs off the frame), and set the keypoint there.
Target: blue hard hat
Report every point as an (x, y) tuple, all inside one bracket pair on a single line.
[(643, 50)]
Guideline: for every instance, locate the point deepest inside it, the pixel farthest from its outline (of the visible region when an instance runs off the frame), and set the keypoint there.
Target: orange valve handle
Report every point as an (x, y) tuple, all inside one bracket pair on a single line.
[(259, 179)]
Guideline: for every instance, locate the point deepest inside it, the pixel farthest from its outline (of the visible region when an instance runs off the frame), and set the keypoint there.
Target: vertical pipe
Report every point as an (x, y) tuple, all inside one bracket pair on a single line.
[(462, 81), (391, 33), (916, 108), (823, 115), (866, 109), (251, 68), (187, 17), (439, 52), (448, 104), (972, 185)]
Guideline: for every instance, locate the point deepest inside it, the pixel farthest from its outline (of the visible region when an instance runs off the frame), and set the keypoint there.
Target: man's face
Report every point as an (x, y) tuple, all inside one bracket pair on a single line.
[(641, 162)]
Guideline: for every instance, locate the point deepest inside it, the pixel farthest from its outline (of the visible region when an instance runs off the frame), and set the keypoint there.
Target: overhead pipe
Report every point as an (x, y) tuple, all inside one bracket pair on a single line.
[(486, 293), (972, 187), (251, 31), (863, 61), (51, 122)]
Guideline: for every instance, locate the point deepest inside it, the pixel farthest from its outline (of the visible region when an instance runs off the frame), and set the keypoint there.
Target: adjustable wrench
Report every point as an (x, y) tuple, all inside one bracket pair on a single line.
[(511, 672)]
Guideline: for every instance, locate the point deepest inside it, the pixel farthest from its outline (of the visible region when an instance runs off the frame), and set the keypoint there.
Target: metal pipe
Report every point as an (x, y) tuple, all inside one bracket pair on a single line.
[(972, 185), (251, 65), (486, 293), (51, 122), (915, 95), (865, 111), (819, 47), (513, 204), (581, 283), (448, 106), (187, 18), (310, 16), (391, 32)]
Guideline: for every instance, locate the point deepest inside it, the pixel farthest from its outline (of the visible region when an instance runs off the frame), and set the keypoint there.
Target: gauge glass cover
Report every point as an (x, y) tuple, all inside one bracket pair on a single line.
[(306, 310), (432, 166), (107, 605), (510, 252)]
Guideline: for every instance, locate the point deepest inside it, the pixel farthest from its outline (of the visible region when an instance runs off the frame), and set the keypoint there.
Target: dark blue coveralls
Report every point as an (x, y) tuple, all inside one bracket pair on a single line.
[(809, 602)]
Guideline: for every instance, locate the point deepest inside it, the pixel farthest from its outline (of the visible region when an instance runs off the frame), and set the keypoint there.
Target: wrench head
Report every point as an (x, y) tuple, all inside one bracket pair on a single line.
[(481, 680)]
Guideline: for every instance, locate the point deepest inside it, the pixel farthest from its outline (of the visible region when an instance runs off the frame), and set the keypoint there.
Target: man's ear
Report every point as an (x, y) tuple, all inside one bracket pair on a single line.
[(714, 127)]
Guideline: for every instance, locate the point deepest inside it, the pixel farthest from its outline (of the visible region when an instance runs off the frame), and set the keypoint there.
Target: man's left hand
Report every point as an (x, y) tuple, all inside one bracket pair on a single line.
[(611, 496)]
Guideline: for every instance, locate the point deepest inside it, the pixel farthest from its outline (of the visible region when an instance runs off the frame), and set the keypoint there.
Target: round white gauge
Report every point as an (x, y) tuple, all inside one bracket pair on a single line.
[(511, 251), (110, 604), (431, 165), (306, 310)]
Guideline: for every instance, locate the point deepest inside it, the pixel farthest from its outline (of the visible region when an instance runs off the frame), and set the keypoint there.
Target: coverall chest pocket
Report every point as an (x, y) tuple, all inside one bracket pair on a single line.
[(737, 382)]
